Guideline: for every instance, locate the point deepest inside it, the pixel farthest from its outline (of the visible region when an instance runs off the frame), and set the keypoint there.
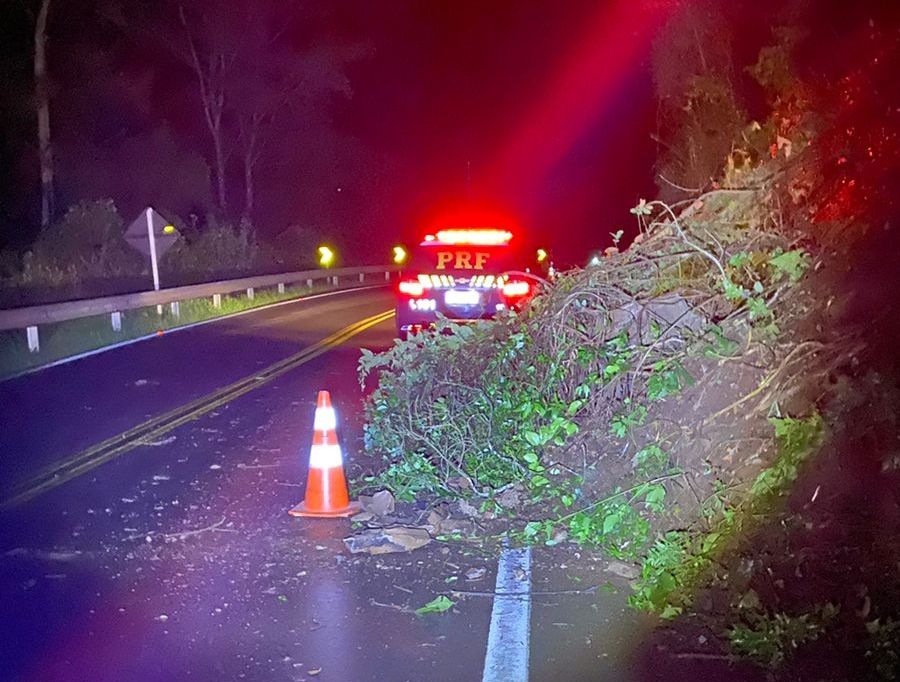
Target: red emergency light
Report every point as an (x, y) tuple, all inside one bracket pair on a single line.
[(516, 288), (470, 237), (411, 287)]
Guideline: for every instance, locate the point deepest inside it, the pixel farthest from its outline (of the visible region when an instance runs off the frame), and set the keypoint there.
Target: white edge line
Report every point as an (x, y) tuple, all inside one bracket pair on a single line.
[(507, 655), (128, 342)]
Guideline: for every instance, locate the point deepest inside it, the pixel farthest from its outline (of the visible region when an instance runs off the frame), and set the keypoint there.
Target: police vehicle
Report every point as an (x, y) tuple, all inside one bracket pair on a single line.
[(463, 274)]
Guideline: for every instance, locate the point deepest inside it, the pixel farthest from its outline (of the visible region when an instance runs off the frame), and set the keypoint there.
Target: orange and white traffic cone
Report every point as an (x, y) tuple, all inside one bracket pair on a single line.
[(326, 485)]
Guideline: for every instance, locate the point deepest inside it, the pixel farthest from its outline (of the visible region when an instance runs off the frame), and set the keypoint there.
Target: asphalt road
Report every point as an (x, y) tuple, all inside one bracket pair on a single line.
[(144, 532)]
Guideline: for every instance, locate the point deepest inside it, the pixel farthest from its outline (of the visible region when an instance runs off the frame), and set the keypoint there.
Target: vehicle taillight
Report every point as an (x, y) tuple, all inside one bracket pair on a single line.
[(516, 289), (411, 287)]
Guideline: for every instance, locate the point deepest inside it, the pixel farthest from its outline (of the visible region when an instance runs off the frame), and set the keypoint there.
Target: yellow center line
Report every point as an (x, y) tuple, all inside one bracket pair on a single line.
[(86, 460), (251, 380)]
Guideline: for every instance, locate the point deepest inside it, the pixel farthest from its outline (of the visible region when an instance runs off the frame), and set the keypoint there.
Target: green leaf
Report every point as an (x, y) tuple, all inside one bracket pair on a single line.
[(534, 439), (670, 612), (758, 308), (618, 427), (792, 264), (531, 529), (610, 522), (655, 496), (436, 605), (721, 344), (733, 292), (710, 542)]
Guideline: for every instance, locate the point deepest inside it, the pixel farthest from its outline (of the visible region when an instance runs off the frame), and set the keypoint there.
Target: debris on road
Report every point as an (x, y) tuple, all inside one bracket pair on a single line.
[(213, 528), (158, 443), (439, 522), (474, 574), (511, 498), (623, 570), (387, 540), (437, 605), (467, 509), (379, 504), (44, 555)]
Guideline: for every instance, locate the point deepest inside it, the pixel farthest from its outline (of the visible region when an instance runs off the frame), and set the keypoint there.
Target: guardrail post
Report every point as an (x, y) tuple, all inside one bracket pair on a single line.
[(387, 276), (362, 277), (334, 280), (116, 319), (250, 294), (281, 287), (34, 342), (176, 309), (217, 300), (309, 283)]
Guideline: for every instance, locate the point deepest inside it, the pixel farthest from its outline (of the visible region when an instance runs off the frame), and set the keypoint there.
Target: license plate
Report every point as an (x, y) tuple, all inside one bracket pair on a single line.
[(462, 297)]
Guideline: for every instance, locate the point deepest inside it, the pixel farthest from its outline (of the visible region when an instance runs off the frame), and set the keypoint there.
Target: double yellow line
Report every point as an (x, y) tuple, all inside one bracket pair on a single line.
[(94, 456)]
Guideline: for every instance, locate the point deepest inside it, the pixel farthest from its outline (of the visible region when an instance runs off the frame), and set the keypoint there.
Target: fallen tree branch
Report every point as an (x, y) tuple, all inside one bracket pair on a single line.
[(211, 528), (765, 382)]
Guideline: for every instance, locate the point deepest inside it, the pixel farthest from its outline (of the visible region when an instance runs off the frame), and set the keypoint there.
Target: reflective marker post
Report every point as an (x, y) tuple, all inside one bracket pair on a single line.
[(152, 235), (152, 238), (153, 265)]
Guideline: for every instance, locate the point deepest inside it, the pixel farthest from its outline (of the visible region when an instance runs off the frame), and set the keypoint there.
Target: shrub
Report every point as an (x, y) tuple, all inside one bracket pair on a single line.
[(85, 244), (218, 249)]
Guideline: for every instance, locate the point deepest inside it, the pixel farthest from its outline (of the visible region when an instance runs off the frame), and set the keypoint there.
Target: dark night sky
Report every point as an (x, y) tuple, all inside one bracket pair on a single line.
[(450, 85)]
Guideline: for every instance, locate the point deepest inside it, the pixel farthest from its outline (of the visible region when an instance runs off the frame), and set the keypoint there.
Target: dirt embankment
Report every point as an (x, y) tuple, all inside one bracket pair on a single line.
[(812, 593)]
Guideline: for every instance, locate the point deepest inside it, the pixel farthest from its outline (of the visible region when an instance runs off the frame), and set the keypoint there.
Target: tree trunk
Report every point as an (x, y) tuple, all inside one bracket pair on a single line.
[(212, 97), (220, 167), (249, 138), (42, 104), (248, 189)]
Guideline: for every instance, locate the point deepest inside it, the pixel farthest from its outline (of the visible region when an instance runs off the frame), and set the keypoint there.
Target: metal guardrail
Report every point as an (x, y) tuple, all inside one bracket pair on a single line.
[(30, 317)]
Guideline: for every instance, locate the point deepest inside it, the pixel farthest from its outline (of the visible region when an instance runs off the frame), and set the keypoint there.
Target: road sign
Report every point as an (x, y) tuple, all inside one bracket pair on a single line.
[(152, 235)]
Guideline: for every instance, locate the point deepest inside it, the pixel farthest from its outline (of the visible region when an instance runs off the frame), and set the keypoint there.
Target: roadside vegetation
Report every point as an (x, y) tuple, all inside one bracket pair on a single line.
[(84, 255), (699, 403)]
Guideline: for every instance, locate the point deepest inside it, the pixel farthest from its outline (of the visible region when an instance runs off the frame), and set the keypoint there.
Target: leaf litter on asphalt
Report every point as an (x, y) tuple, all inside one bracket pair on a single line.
[(437, 605)]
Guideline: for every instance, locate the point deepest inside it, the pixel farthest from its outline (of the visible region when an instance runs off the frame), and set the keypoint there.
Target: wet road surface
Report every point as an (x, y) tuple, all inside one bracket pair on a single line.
[(176, 559)]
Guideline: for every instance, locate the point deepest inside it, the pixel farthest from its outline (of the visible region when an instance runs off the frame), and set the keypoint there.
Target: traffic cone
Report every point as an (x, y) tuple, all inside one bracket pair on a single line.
[(326, 485)]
